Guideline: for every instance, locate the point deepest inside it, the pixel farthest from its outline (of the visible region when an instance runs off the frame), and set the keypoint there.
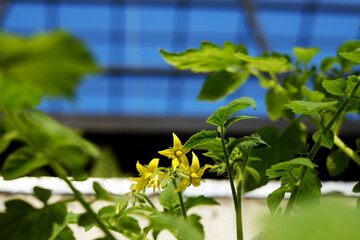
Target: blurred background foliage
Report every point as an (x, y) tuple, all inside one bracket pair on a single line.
[(135, 97)]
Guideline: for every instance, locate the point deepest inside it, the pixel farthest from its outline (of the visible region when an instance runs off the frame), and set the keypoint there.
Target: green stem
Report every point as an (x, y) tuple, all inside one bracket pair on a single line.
[(62, 174), (180, 196), (316, 147), (348, 151), (149, 201), (237, 203)]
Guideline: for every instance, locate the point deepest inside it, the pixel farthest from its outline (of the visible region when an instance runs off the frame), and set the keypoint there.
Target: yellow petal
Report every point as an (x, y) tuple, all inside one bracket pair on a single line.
[(202, 170), (177, 143), (175, 163), (141, 169), (185, 150), (154, 164), (184, 160), (162, 175), (136, 179), (195, 165), (195, 182), (183, 185), (167, 153)]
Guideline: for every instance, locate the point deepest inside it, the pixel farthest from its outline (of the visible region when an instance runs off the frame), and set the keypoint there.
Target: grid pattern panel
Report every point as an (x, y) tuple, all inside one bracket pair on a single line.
[(126, 35)]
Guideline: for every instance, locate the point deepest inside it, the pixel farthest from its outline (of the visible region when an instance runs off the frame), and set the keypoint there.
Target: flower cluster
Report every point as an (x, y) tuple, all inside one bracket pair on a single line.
[(151, 175)]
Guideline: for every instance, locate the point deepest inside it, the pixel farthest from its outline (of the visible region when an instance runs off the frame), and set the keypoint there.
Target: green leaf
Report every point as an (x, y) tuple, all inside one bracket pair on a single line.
[(209, 58), (87, 221), (246, 143), (232, 120), (356, 188), (221, 84), (101, 193), (169, 199), (22, 221), (335, 87), (6, 139), (219, 117), (275, 102), (65, 234), (21, 162), (274, 199), (312, 96), (306, 107), (283, 168), (348, 46), (254, 173), (266, 64), (177, 226), (62, 231), (46, 133), (315, 222), (42, 194), (327, 63), (18, 93), (336, 162), (328, 140), (194, 220), (305, 54), (200, 138), (71, 156), (54, 62), (199, 200), (128, 223), (352, 56)]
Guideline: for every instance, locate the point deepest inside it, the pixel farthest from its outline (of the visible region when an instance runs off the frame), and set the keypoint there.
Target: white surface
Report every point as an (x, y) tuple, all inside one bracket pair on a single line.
[(210, 188)]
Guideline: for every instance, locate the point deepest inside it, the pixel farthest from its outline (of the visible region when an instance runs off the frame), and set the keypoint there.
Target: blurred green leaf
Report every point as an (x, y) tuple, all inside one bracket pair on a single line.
[(200, 138), (6, 139), (169, 200), (177, 226), (335, 87), (305, 54), (72, 157), (307, 107), (348, 46), (336, 162), (327, 221), (352, 56), (221, 84), (356, 188), (21, 162), (274, 199), (327, 63), (54, 62), (42, 194), (209, 58), (312, 96), (219, 117), (328, 140), (22, 221), (284, 168), (275, 102), (17, 93), (199, 200), (194, 220), (62, 231), (107, 165), (266, 64)]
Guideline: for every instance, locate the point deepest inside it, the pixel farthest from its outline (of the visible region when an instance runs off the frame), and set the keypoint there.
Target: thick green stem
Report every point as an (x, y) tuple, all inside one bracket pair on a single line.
[(180, 196), (62, 174), (316, 147), (236, 200), (348, 151)]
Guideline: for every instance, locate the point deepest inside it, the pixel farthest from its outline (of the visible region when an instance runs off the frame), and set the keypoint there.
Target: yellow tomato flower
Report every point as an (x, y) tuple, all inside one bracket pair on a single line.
[(149, 176), (177, 153), (193, 173)]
